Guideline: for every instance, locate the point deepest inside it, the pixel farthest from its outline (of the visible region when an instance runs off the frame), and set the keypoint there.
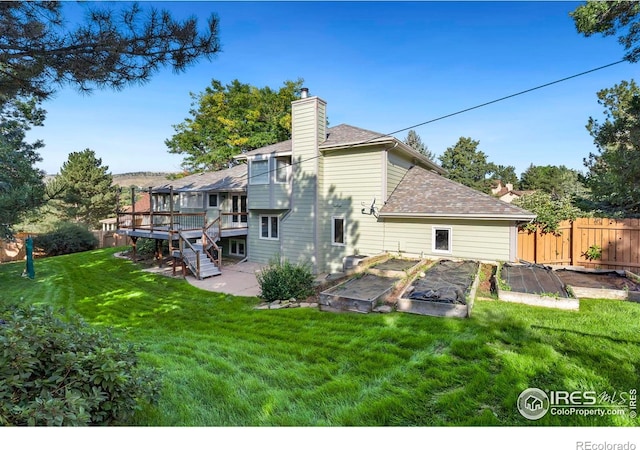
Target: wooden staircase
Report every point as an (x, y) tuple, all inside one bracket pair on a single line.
[(198, 257)]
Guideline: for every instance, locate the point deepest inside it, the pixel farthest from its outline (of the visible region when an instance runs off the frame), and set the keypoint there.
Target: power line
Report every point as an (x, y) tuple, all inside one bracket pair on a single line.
[(526, 91), (482, 105)]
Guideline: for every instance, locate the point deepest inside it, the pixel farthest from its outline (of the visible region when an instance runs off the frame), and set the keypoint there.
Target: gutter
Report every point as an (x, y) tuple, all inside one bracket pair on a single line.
[(456, 216)]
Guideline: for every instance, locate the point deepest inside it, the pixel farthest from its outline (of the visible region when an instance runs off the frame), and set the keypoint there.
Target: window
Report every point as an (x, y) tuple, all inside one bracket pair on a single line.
[(239, 205), (441, 240), (283, 169), (237, 247), (337, 231), (192, 200), (259, 171), (269, 227), (213, 200)]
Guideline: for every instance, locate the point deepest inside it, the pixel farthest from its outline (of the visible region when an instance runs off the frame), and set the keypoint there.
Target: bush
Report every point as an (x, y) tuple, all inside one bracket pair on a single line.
[(59, 373), (66, 238), (283, 280), (146, 247)]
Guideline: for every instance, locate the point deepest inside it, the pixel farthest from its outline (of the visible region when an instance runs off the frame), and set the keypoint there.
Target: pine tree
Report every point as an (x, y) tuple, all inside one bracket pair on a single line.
[(89, 195), (414, 141)]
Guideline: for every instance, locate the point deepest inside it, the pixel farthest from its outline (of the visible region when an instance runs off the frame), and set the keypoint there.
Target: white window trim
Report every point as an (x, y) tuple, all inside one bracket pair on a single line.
[(333, 231), (209, 200), (186, 200), (238, 241), (433, 240), (252, 179), (270, 216)]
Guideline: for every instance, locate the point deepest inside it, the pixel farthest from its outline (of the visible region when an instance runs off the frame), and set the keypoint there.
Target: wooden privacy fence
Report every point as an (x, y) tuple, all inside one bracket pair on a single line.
[(15, 250), (617, 240)]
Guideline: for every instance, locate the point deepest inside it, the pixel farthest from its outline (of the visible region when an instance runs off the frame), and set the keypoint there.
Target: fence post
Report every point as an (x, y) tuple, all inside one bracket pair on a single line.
[(574, 244)]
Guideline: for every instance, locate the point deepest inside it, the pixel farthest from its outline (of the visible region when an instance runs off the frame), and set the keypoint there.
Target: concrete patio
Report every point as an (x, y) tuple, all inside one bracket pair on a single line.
[(236, 279)]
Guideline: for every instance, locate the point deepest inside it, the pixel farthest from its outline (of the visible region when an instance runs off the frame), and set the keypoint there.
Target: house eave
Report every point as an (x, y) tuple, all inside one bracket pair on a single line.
[(510, 217)]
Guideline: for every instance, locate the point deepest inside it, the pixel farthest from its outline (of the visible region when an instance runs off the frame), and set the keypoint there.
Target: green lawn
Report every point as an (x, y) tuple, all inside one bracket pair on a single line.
[(226, 364)]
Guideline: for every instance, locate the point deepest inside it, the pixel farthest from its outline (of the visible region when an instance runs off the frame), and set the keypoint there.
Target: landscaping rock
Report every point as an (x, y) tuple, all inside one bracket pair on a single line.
[(275, 305), (313, 305), (262, 306), (294, 305), (304, 304), (383, 309)]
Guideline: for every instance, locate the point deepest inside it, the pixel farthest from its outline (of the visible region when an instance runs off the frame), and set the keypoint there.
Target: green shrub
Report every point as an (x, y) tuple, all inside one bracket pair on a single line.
[(283, 280), (147, 247), (66, 238), (65, 373)]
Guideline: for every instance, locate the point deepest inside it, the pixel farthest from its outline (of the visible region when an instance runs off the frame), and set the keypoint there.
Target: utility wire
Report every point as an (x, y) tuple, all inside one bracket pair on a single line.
[(482, 105), (508, 97)]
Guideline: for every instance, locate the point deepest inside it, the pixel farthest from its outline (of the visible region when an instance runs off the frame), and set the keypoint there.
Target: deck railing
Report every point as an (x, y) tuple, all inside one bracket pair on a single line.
[(233, 220), (161, 221)]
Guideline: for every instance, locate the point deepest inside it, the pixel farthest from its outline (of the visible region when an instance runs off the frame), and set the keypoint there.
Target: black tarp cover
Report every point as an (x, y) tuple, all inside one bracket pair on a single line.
[(446, 282)]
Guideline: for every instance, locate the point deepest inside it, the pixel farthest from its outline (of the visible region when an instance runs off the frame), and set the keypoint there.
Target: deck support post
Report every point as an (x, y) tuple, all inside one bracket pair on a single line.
[(159, 252), (134, 240)]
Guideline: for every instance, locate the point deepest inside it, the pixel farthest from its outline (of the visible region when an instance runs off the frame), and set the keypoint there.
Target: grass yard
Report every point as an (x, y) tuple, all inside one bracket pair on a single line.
[(225, 364)]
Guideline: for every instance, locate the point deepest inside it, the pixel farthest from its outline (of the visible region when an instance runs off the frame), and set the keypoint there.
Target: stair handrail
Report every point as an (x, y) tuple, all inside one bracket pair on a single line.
[(207, 237), (183, 241)]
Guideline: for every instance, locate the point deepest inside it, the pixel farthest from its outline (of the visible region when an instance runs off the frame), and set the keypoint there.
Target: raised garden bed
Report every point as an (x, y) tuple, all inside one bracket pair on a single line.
[(534, 285), (359, 294), (596, 283), (396, 267), (446, 289)]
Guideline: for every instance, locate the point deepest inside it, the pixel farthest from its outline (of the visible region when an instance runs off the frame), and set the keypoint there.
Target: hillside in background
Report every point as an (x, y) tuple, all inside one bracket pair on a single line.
[(140, 179)]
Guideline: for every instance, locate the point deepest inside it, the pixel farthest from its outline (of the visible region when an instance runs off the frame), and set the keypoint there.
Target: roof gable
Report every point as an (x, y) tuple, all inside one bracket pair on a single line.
[(423, 193)]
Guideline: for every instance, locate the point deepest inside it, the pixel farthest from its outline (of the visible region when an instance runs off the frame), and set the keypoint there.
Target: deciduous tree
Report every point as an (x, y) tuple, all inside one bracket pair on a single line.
[(227, 120), (559, 181)]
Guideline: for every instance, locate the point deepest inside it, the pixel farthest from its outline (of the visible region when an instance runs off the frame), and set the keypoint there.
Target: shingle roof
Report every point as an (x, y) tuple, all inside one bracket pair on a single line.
[(340, 135), (234, 178), (278, 147), (343, 134), (422, 193)]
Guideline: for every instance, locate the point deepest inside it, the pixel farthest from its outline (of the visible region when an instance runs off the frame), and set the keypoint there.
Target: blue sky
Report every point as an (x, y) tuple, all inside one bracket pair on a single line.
[(383, 66)]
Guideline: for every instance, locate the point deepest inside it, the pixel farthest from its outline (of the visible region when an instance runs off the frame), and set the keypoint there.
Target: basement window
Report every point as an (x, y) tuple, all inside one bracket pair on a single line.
[(441, 241)]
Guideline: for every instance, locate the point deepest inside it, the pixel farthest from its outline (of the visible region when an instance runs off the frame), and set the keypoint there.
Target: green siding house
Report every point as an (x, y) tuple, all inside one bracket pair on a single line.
[(328, 193)]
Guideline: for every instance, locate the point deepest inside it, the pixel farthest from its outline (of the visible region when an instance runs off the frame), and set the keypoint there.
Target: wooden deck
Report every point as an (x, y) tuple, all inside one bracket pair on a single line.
[(165, 225)]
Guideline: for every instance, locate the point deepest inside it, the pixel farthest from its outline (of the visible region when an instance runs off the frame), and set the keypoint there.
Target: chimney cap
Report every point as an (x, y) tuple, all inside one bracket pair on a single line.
[(304, 92)]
